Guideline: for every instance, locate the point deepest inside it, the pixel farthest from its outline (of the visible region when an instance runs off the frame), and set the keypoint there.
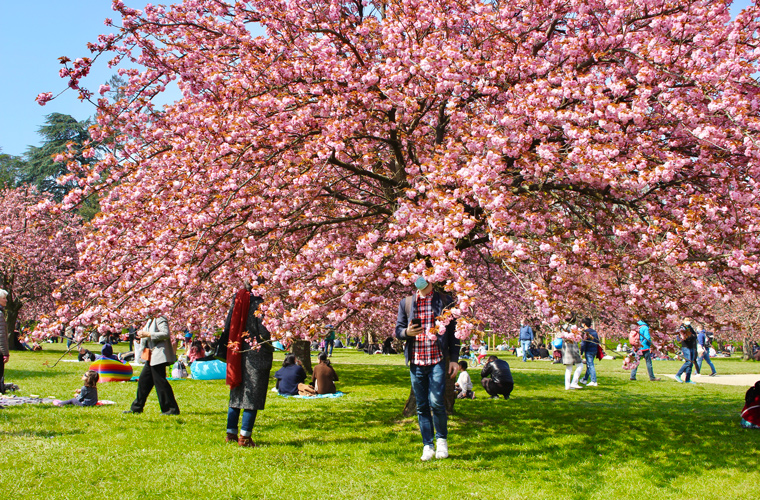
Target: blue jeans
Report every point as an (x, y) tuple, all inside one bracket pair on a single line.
[(428, 384), (688, 356), (706, 357), (329, 344), (590, 368), (647, 354), (525, 345), (233, 416)]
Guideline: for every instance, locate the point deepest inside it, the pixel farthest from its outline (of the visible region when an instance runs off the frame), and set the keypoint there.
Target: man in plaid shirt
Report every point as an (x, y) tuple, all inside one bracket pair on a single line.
[(425, 352)]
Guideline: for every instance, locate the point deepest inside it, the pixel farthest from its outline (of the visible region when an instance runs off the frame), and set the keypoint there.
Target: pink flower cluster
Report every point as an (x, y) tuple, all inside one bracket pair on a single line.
[(537, 159)]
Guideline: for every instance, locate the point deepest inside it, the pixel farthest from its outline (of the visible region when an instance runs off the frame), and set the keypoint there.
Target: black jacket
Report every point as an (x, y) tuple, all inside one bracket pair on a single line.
[(498, 370)]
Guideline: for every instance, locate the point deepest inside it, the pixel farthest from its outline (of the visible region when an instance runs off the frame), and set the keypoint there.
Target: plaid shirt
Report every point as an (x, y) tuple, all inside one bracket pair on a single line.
[(426, 350)]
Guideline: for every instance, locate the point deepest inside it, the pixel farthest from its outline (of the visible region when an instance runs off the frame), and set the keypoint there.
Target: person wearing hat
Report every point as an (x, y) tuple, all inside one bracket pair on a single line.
[(425, 352), (688, 339)]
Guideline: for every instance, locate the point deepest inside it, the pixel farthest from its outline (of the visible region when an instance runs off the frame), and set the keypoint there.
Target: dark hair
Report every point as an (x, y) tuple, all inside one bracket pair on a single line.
[(587, 322), (290, 359), (492, 358), (752, 393), (463, 364), (91, 378), (322, 357)]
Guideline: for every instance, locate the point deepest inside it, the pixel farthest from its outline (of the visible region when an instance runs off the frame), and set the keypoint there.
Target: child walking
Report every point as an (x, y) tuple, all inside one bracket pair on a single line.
[(87, 395)]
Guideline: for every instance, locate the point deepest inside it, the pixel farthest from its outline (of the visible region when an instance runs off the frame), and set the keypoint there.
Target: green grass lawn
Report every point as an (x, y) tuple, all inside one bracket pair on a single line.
[(621, 440)]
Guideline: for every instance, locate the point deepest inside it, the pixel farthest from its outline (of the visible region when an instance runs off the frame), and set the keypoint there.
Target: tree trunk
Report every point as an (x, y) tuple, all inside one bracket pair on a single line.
[(747, 350), (450, 397), (302, 351), (11, 318)]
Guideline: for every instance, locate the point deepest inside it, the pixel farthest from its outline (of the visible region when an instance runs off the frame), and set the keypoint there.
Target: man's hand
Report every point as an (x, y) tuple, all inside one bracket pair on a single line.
[(143, 334), (453, 369), (6, 358), (413, 330)]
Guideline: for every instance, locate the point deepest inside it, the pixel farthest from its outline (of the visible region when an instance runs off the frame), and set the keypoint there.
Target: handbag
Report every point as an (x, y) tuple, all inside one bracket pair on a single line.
[(599, 351), (145, 354), (220, 351)]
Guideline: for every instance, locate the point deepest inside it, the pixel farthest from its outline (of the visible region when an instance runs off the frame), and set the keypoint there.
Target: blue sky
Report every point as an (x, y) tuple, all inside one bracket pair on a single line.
[(33, 35)]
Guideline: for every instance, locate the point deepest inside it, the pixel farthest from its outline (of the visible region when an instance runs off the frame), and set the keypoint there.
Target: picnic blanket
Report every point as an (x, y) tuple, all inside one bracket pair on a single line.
[(317, 396), (136, 378), (7, 400)]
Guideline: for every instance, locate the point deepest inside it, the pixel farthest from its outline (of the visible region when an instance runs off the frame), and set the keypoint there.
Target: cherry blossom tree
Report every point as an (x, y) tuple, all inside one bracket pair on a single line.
[(38, 253), (554, 155)]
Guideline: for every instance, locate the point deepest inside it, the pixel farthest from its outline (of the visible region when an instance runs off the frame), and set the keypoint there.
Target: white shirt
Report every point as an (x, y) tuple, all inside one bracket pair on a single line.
[(464, 381)]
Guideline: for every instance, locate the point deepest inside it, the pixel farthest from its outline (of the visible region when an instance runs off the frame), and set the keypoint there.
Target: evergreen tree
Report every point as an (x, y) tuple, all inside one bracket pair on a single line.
[(10, 166), (40, 168)]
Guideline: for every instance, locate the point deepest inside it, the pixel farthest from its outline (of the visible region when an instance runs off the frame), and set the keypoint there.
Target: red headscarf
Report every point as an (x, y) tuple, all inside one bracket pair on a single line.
[(237, 325)]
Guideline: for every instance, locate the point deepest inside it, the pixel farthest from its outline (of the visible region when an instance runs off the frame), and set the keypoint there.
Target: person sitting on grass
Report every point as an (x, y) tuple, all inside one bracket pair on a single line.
[(751, 410), (543, 352), (107, 353), (85, 355), (324, 376), (195, 351), (463, 386), (500, 381), (291, 378), (87, 395)]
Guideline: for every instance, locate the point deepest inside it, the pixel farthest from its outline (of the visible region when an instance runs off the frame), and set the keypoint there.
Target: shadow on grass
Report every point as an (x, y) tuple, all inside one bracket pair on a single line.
[(11, 374), (687, 426), (690, 428), (41, 433)]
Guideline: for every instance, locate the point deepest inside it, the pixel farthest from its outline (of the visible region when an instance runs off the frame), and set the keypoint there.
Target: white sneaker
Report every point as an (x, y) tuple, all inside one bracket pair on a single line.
[(427, 453), (592, 384), (442, 448), (583, 382), (576, 386)]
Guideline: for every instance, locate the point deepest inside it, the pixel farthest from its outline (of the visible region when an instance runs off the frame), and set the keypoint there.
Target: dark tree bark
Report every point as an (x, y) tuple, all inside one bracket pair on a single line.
[(747, 348), (302, 351), (11, 319), (410, 408)]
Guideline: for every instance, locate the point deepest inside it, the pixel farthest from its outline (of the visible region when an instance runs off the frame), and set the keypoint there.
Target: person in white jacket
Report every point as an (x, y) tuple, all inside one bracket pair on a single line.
[(155, 338), (463, 385)]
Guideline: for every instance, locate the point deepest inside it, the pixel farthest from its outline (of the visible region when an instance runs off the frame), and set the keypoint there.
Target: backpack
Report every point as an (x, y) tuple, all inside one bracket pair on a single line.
[(634, 339), (179, 370)]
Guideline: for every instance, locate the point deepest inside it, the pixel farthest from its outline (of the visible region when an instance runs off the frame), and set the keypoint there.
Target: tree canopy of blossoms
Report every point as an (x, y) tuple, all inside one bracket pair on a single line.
[(536, 157), (37, 253)]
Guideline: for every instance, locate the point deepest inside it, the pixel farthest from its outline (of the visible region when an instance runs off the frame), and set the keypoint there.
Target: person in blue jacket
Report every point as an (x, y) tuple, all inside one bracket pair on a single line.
[(646, 350), (704, 339), (589, 348), (526, 337)]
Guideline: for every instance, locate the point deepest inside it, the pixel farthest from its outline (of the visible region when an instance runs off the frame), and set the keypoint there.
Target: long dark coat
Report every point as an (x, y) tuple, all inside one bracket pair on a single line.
[(251, 394)]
